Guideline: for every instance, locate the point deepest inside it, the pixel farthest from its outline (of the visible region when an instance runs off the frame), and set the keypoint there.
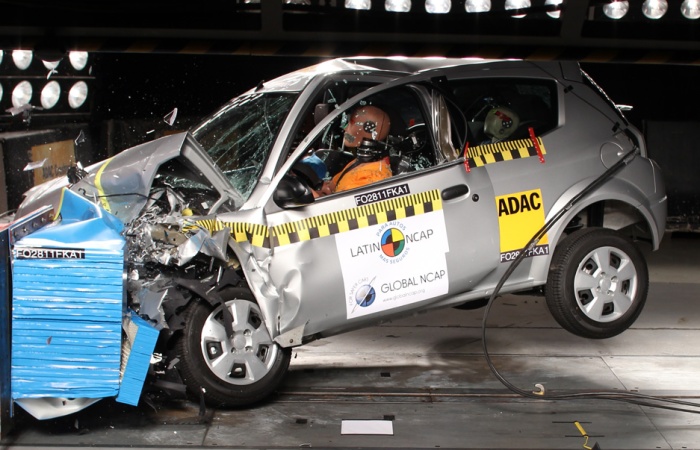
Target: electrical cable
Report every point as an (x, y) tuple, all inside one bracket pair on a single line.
[(628, 397)]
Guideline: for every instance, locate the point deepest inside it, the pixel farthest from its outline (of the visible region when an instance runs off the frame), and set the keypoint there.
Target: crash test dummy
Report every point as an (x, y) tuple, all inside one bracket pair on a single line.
[(367, 127)]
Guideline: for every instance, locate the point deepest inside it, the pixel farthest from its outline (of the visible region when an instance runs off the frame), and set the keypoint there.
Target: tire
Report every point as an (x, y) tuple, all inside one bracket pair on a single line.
[(230, 372), (597, 283)]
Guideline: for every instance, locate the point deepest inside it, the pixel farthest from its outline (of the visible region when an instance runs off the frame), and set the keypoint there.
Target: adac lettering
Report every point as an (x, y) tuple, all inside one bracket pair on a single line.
[(517, 204)]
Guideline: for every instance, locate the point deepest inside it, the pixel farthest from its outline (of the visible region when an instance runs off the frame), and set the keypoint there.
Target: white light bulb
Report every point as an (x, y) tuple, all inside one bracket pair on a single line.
[(616, 9), (654, 9), (358, 4), (518, 4), (77, 94), (397, 5), (78, 59), (477, 6), (22, 58), (50, 94), (438, 6), (691, 9), (22, 94), (553, 14)]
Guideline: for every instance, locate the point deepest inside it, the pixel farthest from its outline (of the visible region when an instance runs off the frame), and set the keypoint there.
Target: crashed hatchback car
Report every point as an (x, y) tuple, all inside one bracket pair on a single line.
[(235, 243)]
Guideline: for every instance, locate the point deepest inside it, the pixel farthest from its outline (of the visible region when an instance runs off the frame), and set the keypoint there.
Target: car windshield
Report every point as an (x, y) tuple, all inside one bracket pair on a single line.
[(239, 136)]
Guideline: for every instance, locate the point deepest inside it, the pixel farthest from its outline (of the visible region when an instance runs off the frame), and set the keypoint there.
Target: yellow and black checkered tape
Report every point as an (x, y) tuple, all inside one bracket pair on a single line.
[(258, 235), (329, 224), (503, 151)]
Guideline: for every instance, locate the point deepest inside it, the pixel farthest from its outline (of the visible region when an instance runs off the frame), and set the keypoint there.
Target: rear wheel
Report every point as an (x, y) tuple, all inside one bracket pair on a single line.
[(235, 371), (597, 283)]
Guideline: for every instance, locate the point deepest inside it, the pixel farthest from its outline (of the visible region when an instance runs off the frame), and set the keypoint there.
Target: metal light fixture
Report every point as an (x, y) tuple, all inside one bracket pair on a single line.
[(77, 94), (397, 5), (654, 9), (358, 4), (518, 4), (554, 14), (690, 9), (78, 59), (616, 9), (50, 94), (438, 6), (22, 58), (22, 94), (477, 6), (51, 65)]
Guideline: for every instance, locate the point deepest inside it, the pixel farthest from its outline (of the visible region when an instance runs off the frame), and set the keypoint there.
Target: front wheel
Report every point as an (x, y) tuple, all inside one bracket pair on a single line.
[(597, 283), (230, 371)]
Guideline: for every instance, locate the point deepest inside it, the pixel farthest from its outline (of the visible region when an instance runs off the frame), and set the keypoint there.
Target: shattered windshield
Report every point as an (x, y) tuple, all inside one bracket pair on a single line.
[(239, 136)]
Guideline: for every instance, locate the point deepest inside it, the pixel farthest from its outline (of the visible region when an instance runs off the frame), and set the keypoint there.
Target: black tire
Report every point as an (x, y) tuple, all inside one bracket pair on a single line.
[(229, 372), (597, 283)]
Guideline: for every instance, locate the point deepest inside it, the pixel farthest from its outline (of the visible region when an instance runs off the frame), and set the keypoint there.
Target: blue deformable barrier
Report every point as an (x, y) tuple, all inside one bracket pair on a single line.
[(141, 339), (67, 305)]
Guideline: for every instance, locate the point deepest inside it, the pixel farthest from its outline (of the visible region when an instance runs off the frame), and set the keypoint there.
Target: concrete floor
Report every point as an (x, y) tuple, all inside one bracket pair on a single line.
[(427, 375)]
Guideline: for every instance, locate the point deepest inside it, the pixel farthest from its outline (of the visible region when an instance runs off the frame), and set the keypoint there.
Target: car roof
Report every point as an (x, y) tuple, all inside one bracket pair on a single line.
[(397, 66)]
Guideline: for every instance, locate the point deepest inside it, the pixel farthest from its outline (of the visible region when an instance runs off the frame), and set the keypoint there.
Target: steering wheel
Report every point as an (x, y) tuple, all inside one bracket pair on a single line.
[(415, 140)]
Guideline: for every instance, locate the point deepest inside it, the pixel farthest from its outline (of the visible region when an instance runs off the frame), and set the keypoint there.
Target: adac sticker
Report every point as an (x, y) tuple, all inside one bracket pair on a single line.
[(520, 216)]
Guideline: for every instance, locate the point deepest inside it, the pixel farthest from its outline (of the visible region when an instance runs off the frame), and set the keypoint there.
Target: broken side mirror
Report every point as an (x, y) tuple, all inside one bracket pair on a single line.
[(291, 192)]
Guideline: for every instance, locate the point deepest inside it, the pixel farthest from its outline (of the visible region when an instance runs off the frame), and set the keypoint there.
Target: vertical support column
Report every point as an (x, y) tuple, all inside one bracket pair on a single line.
[(6, 412)]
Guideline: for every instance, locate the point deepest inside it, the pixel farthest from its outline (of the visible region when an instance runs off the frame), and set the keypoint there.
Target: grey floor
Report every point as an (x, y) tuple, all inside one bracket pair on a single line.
[(428, 377)]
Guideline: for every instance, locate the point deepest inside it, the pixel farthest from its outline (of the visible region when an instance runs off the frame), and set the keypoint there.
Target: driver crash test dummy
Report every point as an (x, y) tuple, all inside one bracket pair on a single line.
[(367, 127)]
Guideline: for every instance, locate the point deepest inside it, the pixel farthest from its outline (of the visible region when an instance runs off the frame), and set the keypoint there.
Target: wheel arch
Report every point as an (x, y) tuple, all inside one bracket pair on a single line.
[(617, 205)]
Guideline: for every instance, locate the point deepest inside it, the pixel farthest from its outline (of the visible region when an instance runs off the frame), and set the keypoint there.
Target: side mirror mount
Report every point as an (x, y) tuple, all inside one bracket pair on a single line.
[(291, 192)]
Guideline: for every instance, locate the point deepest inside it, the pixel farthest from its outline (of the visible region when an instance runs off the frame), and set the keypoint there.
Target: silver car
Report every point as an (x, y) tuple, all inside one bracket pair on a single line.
[(239, 244)]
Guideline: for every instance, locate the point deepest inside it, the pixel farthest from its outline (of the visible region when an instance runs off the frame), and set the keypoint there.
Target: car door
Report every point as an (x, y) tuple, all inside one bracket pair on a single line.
[(390, 247)]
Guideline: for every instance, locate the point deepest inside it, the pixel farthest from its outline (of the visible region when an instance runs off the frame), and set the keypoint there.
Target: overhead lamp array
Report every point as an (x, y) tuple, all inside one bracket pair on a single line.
[(614, 9), (31, 82), (445, 6), (652, 9)]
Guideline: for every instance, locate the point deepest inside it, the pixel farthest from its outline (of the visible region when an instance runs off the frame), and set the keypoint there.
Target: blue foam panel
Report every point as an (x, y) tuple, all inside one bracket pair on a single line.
[(68, 302), (141, 339)]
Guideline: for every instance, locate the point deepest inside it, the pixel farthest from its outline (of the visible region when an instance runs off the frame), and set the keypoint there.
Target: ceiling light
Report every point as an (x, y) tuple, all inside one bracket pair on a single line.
[(77, 94), (358, 4), (654, 9), (477, 6), (616, 9), (690, 9), (50, 94), (518, 4), (1, 92), (438, 6), (1, 55), (78, 59), (51, 65), (21, 94), (554, 14), (397, 5), (22, 58)]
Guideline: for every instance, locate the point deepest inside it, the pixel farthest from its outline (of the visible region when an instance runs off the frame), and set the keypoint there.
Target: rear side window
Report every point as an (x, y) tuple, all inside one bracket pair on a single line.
[(503, 109)]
